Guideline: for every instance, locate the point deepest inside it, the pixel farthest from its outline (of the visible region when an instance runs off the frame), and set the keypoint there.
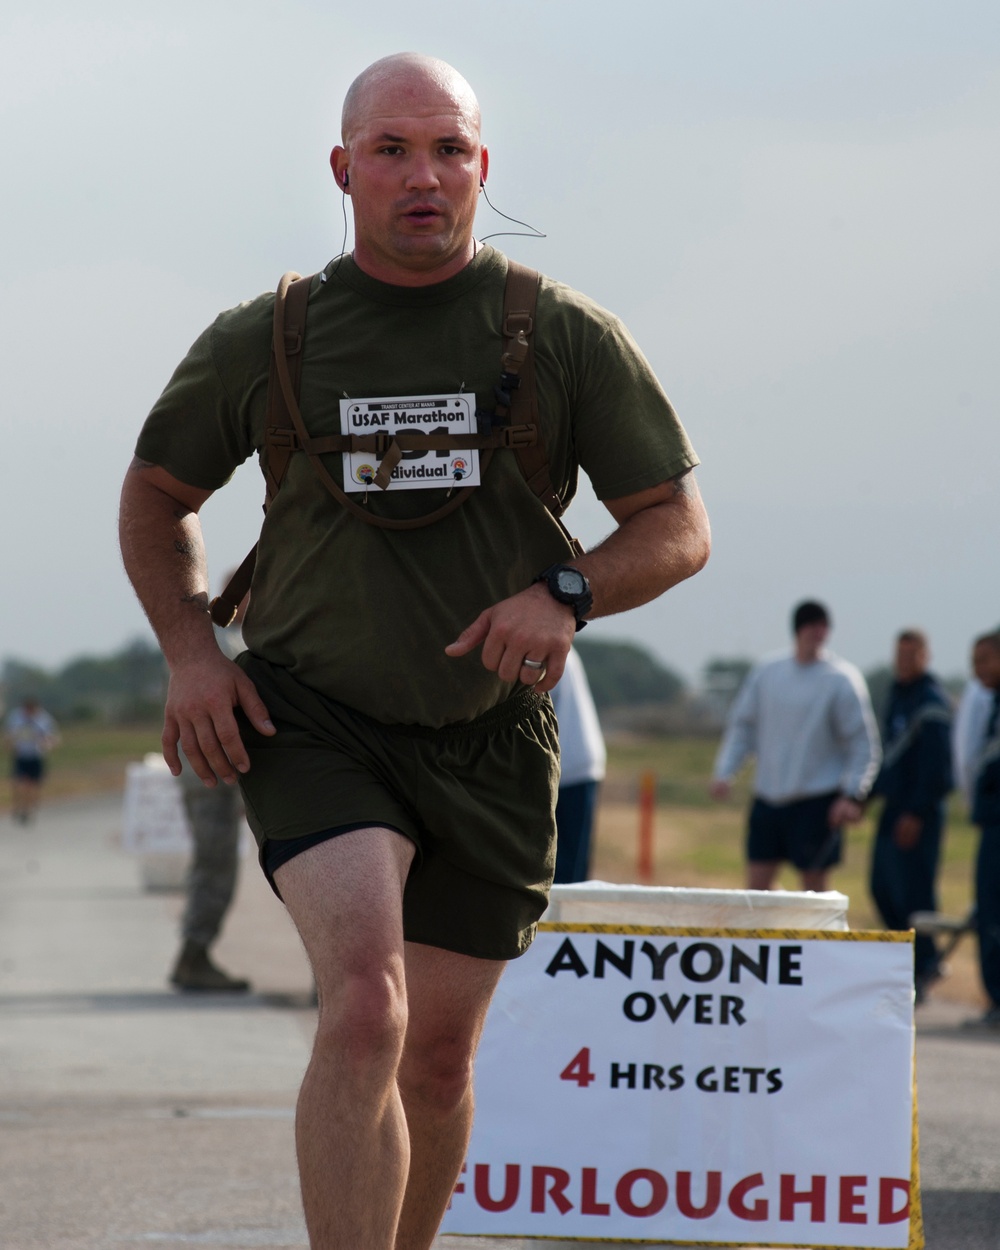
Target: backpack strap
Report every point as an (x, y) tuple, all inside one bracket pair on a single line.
[(287, 340), (520, 299), (288, 330)]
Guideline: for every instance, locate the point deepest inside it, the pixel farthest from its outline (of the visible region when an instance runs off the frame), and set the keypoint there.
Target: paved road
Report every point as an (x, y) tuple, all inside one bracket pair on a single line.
[(133, 1118)]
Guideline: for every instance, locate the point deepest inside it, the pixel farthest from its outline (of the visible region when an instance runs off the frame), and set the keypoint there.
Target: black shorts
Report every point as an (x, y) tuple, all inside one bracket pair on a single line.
[(798, 832), (477, 800), (28, 768)]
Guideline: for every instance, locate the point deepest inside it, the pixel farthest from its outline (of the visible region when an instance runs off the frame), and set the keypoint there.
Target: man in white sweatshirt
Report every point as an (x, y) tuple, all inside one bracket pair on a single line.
[(807, 718)]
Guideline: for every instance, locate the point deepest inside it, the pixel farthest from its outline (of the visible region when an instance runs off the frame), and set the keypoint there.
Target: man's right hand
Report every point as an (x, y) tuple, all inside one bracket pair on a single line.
[(720, 790), (199, 714), (164, 554)]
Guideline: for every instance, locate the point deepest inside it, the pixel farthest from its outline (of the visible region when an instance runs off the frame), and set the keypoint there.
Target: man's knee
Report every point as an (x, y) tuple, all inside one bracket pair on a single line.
[(436, 1074), (362, 1019)]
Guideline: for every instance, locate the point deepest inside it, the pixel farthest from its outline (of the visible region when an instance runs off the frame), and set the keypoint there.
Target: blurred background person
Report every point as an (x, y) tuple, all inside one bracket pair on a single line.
[(30, 733), (808, 720), (984, 771), (971, 716), (215, 817), (914, 781), (583, 757)]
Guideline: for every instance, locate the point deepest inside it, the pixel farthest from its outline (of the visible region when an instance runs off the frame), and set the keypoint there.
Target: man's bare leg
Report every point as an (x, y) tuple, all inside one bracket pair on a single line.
[(817, 879), (26, 796), (345, 896), (761, 873), (448, 997)]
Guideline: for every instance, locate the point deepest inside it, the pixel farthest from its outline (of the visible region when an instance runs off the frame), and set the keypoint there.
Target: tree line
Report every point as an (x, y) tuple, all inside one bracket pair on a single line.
[(631, 687)]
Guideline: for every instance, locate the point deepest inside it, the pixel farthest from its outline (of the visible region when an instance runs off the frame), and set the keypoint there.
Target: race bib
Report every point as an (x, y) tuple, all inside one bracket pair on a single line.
[(412, 414)]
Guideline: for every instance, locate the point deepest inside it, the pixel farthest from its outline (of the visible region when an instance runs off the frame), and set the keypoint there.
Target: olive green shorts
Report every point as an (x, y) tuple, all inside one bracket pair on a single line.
[(476, 799)]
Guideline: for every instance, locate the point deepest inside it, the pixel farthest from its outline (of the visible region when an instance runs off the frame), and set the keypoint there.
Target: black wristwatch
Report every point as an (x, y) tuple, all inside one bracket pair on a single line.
[(568, 585)]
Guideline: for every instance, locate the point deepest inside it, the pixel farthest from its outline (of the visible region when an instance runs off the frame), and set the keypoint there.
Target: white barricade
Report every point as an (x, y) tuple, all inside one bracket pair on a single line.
[(713, 1067), (603, 902), (154, 826)]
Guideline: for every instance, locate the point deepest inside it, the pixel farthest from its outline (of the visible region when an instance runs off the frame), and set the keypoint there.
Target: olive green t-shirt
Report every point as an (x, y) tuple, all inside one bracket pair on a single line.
[(362, 614)]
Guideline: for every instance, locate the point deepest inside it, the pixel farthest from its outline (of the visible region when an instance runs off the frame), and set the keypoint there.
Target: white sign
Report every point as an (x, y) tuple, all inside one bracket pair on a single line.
[(697, 1085), (153, 819), (411, 414)]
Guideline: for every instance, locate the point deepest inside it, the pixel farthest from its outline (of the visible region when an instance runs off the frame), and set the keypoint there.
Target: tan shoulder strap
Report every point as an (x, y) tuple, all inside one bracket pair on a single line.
[(520, 300), (287, 339), (288, 328)]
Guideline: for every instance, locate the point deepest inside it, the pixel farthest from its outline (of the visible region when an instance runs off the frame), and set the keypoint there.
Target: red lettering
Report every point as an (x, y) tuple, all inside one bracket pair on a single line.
[(851, 1201), (578, 1069), (588, 1195), (556, 1191), (511, 1187), (815, 1196), (713, 1196), (738, 1194), (658, 1196), (887, 1186)]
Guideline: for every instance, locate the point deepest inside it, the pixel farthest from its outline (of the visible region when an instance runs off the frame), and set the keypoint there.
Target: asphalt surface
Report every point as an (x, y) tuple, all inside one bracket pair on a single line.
[(132, 1117)]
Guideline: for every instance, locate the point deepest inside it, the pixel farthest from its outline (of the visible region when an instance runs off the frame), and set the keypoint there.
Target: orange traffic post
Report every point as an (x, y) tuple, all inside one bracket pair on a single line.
[(647, 814)]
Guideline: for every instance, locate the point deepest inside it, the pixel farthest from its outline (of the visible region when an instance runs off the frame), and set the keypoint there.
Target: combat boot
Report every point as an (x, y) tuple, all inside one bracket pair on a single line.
[(195, 971)]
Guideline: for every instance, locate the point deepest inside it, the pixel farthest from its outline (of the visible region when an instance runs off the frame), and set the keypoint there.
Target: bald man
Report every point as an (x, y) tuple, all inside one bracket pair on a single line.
[(389, 724)]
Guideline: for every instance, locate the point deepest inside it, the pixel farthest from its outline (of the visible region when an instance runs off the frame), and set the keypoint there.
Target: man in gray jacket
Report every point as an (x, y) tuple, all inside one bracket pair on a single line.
[(807, 718)]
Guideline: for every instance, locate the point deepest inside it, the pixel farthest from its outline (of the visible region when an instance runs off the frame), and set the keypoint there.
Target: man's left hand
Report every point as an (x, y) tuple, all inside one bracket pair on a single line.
[(530, 625)]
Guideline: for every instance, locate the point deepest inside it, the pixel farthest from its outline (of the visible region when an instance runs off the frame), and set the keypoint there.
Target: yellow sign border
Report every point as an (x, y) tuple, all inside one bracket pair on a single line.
[(805, 935)]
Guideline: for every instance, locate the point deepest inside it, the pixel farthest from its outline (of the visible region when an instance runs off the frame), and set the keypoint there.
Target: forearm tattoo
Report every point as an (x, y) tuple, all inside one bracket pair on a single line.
[(198, 600)]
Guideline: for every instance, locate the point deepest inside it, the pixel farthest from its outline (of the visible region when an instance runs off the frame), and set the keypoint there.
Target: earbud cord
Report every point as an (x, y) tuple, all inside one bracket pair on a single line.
[(343, 245), (520, 234)]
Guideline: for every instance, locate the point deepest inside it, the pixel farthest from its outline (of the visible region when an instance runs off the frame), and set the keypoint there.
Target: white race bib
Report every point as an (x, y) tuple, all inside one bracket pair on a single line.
[(412, 414)]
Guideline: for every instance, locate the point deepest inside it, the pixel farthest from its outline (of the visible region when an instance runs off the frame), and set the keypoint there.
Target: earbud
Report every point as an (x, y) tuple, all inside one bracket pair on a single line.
[(347, 180)]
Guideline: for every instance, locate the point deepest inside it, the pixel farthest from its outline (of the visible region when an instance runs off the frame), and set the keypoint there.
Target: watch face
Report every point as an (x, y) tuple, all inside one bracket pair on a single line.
[(570, 581)]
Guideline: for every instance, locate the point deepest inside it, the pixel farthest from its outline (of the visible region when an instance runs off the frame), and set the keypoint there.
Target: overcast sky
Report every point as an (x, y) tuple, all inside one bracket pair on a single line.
[(793, 204)]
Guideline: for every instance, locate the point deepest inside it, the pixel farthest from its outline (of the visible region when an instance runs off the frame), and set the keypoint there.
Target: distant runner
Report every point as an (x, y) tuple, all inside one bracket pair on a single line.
[(31, 733)]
